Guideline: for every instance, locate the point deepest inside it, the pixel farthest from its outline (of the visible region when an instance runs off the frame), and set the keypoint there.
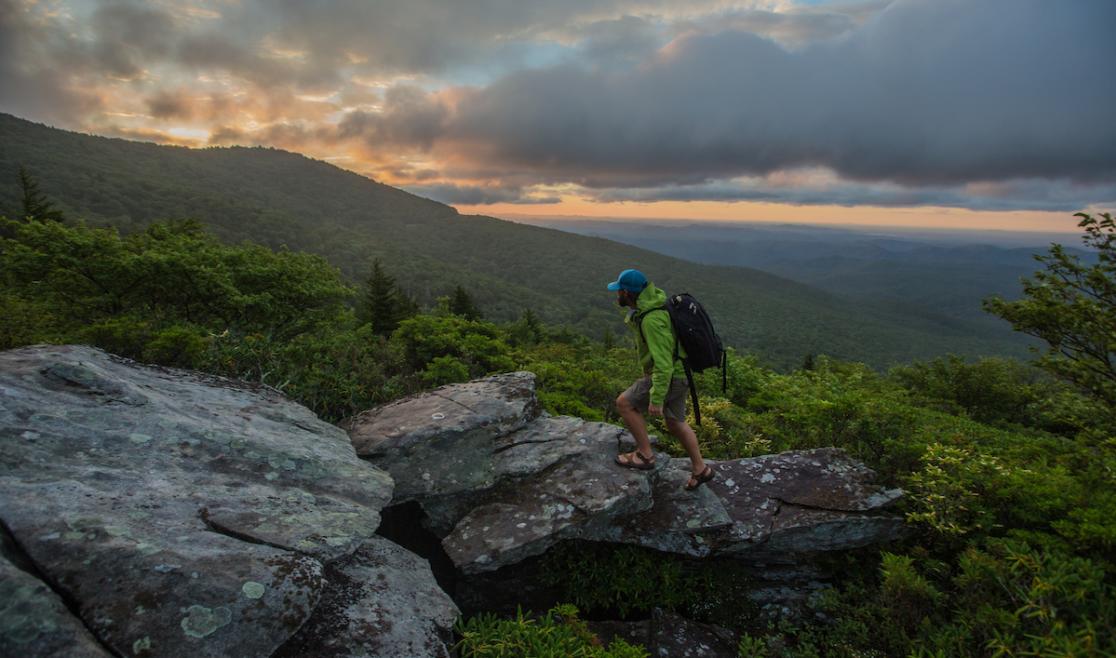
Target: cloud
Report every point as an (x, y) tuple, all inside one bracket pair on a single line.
[(411, 117), (127, 37), (478, 194), (1018, 194), (942, 92), (30, 85), (902, 102)]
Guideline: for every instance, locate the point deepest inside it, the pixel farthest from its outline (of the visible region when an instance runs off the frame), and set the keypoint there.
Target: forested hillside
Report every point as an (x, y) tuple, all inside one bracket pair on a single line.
[(277, 198), (936, 273), (1009, 473)]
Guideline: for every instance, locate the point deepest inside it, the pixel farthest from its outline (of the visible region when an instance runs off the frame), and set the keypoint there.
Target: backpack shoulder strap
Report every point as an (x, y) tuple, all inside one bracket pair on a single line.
[(639, 319)]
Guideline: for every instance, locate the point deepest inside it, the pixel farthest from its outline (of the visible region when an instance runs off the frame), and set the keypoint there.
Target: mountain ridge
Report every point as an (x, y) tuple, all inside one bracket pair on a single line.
[(281, 198)]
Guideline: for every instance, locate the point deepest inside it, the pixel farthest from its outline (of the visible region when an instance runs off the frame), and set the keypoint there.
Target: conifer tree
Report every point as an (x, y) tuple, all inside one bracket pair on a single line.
[(527, 330), (383, 305), (461, 303), (36, 206)]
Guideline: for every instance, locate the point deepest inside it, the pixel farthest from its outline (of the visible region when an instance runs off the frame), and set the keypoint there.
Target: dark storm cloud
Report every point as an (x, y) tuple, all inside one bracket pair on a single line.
[(167, 104), (927, 93), (477, 194), (795, 28), (30, 85), (410, 116), (127, 38), (1029, 194), (626, 41), (907, 101)]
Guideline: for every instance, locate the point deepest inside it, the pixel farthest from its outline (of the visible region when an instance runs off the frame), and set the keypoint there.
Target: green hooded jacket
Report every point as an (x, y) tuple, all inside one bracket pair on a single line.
[(656, 354)]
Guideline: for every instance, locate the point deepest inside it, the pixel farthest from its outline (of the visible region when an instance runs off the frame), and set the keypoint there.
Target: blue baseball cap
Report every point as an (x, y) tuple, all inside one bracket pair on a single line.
[(630, 280)]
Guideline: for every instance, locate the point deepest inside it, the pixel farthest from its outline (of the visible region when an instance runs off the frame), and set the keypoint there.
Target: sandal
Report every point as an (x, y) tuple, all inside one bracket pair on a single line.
[(698, 479), (627, 461)]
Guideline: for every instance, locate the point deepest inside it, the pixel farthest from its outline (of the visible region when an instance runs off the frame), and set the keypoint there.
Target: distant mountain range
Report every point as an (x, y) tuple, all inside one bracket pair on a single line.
[(935, 272), (280, 198)]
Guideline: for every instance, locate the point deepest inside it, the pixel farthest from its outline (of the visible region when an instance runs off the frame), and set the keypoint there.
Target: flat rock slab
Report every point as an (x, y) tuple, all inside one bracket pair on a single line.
[(175, 513), (440, 443), (382, 602), (801, 501)]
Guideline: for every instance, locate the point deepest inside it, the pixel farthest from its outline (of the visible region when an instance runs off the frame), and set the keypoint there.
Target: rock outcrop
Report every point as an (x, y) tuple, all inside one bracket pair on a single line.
[(516, 481), (156, 512)]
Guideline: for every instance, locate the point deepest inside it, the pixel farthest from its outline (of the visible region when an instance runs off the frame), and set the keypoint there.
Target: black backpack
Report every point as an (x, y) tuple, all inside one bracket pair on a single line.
[(694, 331)]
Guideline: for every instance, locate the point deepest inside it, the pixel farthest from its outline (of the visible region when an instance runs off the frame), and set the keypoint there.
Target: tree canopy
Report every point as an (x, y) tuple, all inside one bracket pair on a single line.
[(1072, 306)]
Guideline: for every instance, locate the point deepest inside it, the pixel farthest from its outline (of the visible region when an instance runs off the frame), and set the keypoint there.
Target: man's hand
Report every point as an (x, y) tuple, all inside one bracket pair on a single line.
[(655, 409)]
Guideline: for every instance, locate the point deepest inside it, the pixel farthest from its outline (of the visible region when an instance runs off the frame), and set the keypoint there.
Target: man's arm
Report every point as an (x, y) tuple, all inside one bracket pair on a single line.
[(660, 343)]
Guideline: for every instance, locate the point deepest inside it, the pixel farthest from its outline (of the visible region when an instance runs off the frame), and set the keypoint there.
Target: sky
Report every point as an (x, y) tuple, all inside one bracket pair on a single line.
[(946, 113)]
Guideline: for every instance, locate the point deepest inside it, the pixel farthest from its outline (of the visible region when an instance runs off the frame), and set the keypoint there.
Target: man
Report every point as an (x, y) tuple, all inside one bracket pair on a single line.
[(662, 389)]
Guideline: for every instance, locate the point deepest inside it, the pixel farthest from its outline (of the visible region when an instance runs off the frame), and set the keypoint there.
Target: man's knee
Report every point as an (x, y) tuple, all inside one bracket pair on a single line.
[(622, 404), (675, 426)]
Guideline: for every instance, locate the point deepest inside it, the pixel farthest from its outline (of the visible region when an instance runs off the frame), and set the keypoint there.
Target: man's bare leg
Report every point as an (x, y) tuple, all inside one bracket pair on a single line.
[(636, 425), (685, 435)]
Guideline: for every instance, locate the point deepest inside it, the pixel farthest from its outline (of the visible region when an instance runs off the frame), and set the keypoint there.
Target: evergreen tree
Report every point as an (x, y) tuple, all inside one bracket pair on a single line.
[(382, 304), (36, 206), (527, 330), (461, 303), (1072, 306)]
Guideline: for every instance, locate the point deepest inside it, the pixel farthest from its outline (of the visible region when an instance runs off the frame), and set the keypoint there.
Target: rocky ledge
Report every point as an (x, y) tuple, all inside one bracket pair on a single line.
[(499, 481), (152, 512)]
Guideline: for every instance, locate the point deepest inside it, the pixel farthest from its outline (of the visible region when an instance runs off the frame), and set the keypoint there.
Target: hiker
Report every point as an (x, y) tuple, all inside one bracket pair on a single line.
[(662, 389)]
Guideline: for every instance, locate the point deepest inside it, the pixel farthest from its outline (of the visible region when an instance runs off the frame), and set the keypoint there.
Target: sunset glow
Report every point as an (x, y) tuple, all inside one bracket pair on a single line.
[(757, 110)]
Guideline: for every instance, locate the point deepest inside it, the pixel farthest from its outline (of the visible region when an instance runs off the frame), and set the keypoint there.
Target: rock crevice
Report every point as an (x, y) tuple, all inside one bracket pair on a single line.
[(35, 606)]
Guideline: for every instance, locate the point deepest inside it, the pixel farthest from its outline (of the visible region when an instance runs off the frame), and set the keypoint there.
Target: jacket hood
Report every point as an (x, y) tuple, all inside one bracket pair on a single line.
[(650, 298)]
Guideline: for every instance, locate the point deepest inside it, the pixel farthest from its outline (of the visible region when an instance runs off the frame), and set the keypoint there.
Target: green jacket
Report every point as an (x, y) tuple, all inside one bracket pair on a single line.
[(657, 352)]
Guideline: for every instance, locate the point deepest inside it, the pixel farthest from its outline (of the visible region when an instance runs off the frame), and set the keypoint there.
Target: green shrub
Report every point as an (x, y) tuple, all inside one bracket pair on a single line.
[(626, 579), (909, 597), (178, 345), (948, 494), (477, 344), (1018, 599), (557, 634), (445, 370), (336, 371)]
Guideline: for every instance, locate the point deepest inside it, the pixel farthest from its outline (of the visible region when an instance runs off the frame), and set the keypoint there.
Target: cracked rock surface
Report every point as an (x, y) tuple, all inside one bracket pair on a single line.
[(517, 481), (169, 513)]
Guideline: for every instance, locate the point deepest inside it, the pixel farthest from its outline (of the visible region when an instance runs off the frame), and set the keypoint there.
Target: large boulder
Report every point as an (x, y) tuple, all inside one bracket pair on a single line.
[(172, 513), (382, 601), (438, 443), (516, 481)]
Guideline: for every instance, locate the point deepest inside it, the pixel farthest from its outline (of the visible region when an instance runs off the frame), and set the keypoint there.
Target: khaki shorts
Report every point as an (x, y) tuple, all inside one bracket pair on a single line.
[(674, 406)]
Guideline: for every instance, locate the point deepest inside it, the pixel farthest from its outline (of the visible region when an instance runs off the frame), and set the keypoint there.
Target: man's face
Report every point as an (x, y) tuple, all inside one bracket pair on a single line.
[(624, 298)]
